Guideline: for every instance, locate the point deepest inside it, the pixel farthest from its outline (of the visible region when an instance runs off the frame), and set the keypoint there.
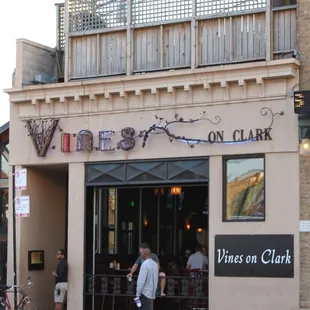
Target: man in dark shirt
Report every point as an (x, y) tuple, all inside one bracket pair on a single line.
[(61, 275)]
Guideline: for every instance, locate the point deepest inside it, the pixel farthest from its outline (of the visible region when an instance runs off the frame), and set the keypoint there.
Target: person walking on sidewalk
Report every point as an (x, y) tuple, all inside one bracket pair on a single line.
[(147, 281), (140, 260), (61, 274)]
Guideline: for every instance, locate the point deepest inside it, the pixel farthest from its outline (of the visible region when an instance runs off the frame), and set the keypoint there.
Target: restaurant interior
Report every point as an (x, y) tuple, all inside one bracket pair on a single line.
[(171, 219)]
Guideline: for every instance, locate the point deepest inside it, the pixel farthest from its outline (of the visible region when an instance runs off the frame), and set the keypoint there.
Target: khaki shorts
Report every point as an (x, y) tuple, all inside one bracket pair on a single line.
[(62, 288)]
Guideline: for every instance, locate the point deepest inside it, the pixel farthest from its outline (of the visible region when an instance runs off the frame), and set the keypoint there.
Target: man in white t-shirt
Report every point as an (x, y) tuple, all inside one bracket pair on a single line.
[(197, 260), (147, 280)]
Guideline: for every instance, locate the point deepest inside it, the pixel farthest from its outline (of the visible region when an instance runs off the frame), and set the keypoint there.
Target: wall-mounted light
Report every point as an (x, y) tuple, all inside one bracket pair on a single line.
[(305, 142), (176, 190), (187, 224), (199, 230), (156, 191), (145, 221)]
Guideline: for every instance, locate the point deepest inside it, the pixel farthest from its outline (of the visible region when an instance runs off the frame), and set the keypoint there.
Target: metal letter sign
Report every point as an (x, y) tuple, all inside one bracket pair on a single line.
[(21, 179), (41, 132)]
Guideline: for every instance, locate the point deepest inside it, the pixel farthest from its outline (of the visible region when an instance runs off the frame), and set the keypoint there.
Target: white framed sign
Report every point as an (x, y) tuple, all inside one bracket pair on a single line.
[(22, 206), (304, 226), (21, 179)]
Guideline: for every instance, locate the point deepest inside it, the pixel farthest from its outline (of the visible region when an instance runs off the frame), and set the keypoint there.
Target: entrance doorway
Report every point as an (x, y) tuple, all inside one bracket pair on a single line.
[(172, 219)]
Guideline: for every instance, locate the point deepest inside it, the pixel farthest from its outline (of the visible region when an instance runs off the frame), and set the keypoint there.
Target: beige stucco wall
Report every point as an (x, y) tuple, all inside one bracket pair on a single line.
[(282, 215), (43, 230), (237, 95), (233, 116), (76, 235), (10, 273)]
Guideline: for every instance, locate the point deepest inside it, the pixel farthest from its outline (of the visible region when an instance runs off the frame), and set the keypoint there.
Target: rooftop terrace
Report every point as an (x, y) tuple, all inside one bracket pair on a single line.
[(103, 38)]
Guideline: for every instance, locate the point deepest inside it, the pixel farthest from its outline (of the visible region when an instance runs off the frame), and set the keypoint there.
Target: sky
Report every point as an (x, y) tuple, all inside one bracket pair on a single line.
[(29, 19)]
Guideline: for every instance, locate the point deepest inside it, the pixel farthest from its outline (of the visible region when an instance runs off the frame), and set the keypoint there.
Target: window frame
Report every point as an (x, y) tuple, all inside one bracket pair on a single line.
[(224, 186)]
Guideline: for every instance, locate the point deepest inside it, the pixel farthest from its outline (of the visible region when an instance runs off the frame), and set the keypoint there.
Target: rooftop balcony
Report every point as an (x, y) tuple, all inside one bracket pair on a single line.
[(118, 56), (126, 37)]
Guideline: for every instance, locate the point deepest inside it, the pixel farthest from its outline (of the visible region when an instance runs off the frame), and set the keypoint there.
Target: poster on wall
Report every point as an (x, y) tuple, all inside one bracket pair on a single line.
[(22, 206), (21, 179), (269, 256)]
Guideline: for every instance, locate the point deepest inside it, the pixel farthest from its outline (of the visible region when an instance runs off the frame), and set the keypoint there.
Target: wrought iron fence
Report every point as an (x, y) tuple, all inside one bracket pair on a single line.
[(86, 15), (190, 290)]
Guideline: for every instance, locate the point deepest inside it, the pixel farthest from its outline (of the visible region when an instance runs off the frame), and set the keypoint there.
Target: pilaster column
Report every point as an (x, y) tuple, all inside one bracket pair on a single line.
[(76, 235)]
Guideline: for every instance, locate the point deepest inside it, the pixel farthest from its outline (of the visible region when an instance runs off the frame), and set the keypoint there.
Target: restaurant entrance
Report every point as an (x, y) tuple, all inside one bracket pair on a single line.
[(171, 218)]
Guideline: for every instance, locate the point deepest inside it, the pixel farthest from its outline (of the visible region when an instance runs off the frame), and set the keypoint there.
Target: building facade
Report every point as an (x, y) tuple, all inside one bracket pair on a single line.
[(172, 124), (303, 9), (4, 198)]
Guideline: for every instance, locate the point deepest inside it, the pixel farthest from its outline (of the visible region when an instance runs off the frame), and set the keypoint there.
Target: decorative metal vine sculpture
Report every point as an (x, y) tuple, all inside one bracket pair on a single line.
[(162, 127)]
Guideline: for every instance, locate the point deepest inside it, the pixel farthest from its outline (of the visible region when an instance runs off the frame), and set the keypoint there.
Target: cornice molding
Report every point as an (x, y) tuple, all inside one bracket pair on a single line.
[(95, 112), (137, 84)]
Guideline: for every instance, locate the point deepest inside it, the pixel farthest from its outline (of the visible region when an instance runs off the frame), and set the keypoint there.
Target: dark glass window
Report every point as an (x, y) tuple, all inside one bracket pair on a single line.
[(4, 171), (4, 167), (4, 200), (244, 189), (4, 184)]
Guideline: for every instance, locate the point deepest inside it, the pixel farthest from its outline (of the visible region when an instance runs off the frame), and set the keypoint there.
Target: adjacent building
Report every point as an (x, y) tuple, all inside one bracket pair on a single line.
[(302, 89), (4, 198), (168, 122)]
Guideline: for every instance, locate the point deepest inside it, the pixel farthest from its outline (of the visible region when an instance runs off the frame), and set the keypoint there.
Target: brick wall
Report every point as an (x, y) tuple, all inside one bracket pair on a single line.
[(303, 40), (303, 44), (305, 237)]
